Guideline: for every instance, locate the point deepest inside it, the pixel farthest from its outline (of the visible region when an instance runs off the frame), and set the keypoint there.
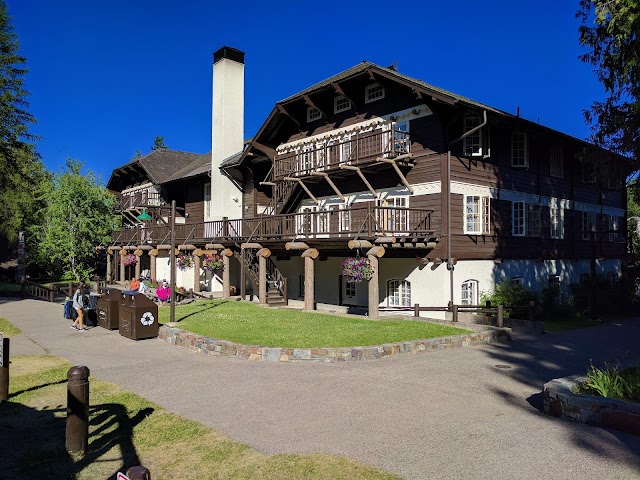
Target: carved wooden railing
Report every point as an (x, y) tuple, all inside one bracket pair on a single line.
[(359, 149), (36, 290), (140, 199), (275, 278)]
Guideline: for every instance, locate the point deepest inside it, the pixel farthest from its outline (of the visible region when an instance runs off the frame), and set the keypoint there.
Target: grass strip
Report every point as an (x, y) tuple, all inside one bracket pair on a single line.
[(7, 329), (126, 430), (250, 324)]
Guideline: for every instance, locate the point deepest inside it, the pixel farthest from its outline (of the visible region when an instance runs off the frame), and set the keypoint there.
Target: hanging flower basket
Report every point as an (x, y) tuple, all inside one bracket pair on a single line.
[(357, 269), (129, 259), (184, 262), (212, 263)]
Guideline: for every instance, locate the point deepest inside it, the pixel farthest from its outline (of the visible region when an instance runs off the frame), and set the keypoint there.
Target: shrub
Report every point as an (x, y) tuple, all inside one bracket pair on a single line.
[(610, 382), (509, 294)]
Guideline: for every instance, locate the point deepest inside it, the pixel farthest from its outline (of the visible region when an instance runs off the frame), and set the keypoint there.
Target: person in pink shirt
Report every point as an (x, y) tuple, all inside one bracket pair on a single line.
[(163, 292)]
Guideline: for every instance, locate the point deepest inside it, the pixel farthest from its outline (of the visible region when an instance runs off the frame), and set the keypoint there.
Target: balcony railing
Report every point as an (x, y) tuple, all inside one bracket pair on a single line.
[(366, 221), (140, 199), (359, 149)]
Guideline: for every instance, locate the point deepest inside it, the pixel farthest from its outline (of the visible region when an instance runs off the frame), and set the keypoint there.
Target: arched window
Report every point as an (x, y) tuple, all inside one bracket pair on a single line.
[(469, 293), (398, 293)]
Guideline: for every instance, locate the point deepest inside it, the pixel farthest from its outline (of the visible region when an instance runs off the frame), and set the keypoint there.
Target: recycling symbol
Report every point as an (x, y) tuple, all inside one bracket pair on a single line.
[(147, 319)]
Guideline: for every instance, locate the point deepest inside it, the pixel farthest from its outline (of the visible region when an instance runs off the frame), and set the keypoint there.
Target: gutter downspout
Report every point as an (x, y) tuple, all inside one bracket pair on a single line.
[(450, 265)]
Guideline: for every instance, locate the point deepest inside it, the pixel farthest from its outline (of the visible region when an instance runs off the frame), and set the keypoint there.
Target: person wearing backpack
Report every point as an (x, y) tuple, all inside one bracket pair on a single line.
[(79, 306)]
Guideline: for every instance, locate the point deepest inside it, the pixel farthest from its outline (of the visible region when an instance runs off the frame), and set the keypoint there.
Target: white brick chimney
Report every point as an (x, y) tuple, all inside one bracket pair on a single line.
[(227, 131)]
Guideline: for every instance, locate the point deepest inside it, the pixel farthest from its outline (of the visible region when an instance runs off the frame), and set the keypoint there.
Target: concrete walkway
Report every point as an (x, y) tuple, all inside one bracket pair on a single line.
[(462, 413)]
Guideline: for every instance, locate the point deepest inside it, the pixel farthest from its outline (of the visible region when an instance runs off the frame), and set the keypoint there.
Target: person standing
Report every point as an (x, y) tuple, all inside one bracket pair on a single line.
[(78, 305)]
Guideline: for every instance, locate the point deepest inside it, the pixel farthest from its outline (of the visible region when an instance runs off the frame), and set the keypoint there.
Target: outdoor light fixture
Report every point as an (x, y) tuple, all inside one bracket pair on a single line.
[(144, 216)]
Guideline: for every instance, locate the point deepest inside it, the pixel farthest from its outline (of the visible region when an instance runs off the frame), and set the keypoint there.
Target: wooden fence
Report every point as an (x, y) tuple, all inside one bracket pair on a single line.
[(36, 290), (487, 309)]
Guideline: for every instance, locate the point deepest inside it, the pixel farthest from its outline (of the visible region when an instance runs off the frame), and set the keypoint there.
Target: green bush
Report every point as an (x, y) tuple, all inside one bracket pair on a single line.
[(511, 295), (610, 382)]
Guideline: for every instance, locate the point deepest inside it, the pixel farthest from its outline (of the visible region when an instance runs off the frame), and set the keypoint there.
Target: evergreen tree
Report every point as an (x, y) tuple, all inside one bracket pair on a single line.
[(158, 144), (611, 31), (20, 167)]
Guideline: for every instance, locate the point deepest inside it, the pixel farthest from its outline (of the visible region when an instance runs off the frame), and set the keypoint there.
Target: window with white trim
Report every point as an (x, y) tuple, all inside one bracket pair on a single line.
[(350, 289), (555, 284), (556, 221), (313, 114), (614, 224), (533, 220), (518, 219), (207, 200), (341, 104), (556, 162), (519, 150), (396, 220), (472, 144), (476, 214), (399, 293), (588, 170), (588, 224), (517, 281), (469, 292), (373, 92), (345, 218), (323, 220)]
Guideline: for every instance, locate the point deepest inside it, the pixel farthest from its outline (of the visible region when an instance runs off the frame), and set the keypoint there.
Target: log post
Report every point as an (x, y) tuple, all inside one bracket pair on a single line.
[(226, 273), (152, 263), (309, 256), (122, 276), (109, 260), (374, 287), (196, 273), (137, 253), (500, 322), (263, 254)]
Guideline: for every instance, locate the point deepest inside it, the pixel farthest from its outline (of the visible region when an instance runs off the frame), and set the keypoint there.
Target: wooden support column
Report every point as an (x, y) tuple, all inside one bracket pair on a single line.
[(226, 273), (122, 279), (152, 263), (109, 260), (137, 253), (196, 273), (263, 254), (374, 287), (309, 256)]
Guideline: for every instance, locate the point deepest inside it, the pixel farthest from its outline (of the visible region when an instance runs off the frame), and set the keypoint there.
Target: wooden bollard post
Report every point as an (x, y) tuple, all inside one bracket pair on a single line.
[(501, 316), (4, 368), (454, 310), (138, 473), (77, 434), (416, 310), (532, 310)]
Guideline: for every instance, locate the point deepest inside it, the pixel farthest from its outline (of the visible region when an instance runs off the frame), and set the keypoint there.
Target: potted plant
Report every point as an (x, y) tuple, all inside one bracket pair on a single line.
[(129, 259), (212, 263), (357, 269), (184, 262)]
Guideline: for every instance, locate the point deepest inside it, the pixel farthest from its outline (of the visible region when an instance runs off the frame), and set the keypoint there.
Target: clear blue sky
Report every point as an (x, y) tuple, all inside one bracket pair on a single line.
[(107, 76)]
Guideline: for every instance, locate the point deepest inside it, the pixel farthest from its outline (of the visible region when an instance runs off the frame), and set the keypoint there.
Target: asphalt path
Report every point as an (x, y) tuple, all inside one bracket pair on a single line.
[(451, 414)]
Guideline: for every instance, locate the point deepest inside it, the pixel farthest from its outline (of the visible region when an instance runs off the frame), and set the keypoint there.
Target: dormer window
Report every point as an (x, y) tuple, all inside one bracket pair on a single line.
[(313, 114), (373, 92), (341, 104)]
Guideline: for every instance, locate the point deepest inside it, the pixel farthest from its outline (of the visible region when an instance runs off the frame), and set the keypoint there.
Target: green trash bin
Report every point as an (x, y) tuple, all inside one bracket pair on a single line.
[(138, 316)]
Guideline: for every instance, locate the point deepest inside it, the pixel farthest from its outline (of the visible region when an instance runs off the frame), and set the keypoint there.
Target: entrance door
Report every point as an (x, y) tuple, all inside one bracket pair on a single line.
[(349, 289)]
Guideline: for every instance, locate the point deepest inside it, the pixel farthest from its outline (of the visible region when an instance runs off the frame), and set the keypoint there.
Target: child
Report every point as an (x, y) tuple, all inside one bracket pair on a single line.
[(163, 292)]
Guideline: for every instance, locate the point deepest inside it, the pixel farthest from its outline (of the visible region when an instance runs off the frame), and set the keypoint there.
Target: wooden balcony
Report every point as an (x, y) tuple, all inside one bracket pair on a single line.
[(139, 199), (326, 156), (366, 221)]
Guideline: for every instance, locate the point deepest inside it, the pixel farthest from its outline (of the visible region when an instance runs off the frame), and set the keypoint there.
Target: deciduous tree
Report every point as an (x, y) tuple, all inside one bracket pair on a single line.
[(79, 216)]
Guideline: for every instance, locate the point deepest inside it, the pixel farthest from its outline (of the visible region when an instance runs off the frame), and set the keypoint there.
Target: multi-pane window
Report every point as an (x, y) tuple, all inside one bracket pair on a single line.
[(518, 219), (614, 226), (323, 220), (556, 220), (519, 151), (469, 293), (472, 144), (207, 200), (401, 137), (399, 293), (396, 219), (555, 285), (588, 170), (313, 114), (373, 92), (588, 224), (341, 104), (517, 281), (533, 220), (350, 289), (345, 218), (476, 214), (556, 162)]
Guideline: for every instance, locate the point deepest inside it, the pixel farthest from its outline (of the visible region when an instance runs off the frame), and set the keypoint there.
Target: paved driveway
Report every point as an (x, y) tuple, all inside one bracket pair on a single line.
[(447, 414)]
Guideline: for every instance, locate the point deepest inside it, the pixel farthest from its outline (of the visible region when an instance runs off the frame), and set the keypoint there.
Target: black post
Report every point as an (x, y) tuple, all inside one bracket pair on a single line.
[(594, 291), (138, 473), (4, 369), (172, 261), (77, 434)]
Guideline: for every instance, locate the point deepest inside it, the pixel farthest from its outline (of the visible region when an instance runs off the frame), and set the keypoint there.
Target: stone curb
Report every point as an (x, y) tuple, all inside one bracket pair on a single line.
[(561, 402), (212, 346)]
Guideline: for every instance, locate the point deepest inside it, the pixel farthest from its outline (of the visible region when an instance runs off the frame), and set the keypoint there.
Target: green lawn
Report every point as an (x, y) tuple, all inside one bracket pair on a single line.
[(247, 323), (8, 330)]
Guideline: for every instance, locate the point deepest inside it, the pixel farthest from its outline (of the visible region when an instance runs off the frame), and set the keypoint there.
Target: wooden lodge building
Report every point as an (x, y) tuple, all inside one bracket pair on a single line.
[(445, 196)]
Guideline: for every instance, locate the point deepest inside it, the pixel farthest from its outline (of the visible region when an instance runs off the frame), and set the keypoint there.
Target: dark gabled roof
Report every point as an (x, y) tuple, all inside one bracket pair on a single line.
[(235, 159), (200, 165), (161, 166)]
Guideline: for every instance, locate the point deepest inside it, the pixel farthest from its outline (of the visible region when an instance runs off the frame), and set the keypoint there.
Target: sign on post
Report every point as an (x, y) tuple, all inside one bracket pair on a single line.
[(4, 351)]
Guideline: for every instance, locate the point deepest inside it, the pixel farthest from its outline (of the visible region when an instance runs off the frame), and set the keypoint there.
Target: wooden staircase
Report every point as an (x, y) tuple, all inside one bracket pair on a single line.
[(276, 282)]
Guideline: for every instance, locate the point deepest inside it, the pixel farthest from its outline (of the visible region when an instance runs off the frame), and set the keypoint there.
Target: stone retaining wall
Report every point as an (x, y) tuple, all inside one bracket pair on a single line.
[(211, 346), (561, 402)]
